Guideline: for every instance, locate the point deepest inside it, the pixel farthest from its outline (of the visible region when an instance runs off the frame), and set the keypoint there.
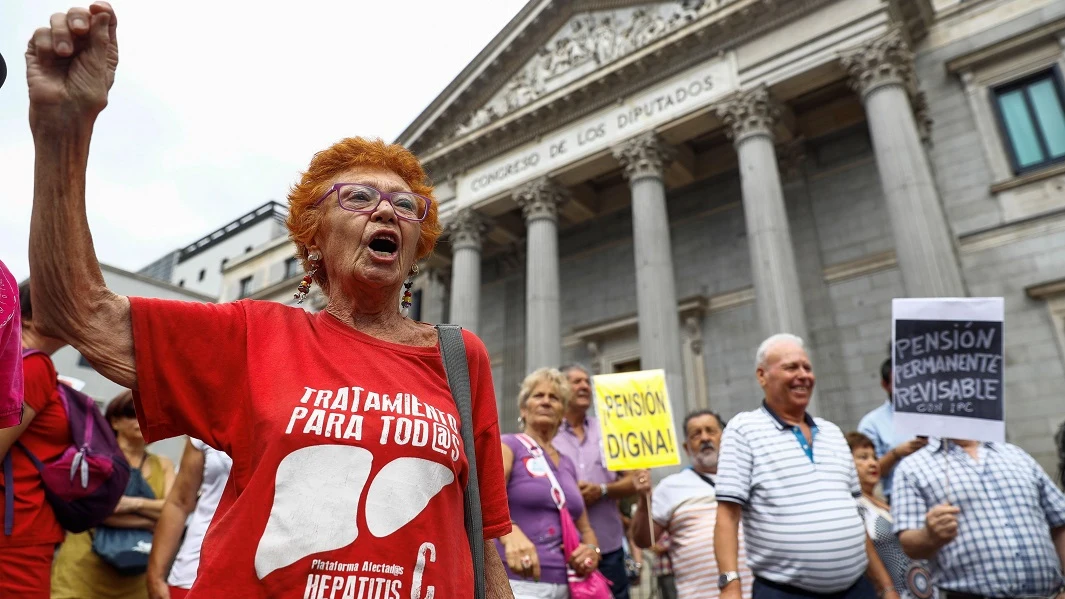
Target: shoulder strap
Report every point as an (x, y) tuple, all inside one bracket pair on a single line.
[(557, 494), (453, 351)]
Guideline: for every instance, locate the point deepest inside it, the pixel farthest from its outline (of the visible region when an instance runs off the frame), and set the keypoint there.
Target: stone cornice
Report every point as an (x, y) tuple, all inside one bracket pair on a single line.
[(710, 36), (466, 229), (644, 156), (748, 113), (540, 199)]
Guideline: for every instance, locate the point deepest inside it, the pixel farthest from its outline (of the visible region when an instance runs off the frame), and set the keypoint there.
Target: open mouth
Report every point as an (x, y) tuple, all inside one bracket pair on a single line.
[(384, 243)]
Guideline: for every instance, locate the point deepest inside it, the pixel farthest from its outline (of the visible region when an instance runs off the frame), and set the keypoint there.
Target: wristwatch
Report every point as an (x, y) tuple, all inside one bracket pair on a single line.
[(602, 489), (726, 578)]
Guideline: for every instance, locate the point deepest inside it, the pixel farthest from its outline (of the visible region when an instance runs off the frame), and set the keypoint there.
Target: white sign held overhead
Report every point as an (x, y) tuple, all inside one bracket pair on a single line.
[(947, 363)]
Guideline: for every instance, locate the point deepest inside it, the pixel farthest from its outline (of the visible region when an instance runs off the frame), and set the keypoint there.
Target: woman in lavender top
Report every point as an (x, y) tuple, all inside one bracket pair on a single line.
[(533, 551)]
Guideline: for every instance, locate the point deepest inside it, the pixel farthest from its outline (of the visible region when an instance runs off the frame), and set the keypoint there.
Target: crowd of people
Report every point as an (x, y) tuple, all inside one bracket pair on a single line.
[(327, 453)]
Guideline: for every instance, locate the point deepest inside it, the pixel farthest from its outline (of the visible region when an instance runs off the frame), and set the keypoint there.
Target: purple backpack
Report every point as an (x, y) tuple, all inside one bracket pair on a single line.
[(85, 483)]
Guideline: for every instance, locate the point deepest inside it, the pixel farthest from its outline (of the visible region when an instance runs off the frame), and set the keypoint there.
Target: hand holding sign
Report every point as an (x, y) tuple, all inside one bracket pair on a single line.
[(904, 449), (641, 481), (942, 523)]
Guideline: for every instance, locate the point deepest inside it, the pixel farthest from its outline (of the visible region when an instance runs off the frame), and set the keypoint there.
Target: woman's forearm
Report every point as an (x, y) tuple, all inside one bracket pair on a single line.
[(150, 508), (167, 540), (70, 298), (129, 521)]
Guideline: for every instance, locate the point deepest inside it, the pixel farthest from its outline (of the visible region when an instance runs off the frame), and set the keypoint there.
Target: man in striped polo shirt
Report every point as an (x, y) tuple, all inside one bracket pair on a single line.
[(791, 479), (685, 505)]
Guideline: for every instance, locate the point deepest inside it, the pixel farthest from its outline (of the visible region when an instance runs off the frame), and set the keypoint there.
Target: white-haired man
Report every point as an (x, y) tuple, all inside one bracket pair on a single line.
[(791, 479), (578, 439)]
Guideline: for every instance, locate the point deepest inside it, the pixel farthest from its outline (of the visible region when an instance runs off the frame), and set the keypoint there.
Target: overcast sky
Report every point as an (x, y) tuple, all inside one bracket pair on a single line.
[(217, 106)]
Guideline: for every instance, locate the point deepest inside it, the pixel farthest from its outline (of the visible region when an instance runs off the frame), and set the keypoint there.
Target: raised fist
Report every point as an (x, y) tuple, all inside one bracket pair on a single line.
[(70, 66)]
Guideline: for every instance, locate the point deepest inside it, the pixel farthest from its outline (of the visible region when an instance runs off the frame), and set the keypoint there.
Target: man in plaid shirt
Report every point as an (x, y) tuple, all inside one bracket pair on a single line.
[(986, 516)]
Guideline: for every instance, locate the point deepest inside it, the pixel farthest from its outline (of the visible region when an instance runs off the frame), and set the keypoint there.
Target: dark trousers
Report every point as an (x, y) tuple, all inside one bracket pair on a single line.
[(767, 589), (612, 565)]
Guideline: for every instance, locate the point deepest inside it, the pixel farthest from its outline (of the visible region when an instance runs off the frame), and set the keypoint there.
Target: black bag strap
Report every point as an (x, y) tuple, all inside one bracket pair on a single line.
[(453, 351)]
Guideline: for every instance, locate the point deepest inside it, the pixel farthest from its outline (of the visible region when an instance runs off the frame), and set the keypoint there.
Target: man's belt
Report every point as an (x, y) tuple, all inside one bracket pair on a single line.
[(948, 594)]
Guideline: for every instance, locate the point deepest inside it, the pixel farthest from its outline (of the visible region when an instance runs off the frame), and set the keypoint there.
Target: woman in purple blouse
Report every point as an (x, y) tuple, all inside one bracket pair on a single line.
[(533, 550)]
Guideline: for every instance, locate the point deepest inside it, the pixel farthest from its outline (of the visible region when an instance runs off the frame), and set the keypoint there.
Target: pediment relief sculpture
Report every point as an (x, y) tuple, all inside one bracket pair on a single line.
[(586, 43)]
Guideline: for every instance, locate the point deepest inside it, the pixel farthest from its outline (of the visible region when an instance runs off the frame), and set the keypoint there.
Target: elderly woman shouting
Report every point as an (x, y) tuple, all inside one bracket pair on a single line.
[(542, 487), (348, 468)]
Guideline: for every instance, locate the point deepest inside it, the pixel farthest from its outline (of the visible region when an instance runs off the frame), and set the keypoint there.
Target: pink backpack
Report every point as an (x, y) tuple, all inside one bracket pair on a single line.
[(85, 483)]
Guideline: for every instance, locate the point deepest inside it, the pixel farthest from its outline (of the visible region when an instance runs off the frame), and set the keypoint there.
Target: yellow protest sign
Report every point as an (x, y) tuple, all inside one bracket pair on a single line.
[(636, 420)]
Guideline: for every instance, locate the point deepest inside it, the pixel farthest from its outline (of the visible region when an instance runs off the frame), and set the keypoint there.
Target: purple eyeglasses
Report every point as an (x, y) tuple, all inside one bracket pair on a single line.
[(358, 197)]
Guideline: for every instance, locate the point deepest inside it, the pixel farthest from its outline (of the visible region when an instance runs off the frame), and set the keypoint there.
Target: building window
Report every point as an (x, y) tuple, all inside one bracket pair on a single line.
[(1031, 113), (292, 268), (627, 366), (224, 262), (245, 287), (203, 273)]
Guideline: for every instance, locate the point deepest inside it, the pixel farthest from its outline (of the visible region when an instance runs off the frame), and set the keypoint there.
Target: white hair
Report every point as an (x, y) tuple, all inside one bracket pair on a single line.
[(763, 349)]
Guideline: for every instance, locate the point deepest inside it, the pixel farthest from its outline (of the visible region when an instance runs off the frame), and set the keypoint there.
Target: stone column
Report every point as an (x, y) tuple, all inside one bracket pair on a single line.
[(539, 201), (434, 298), (465, 230), (750, 117), (882, 72), (644, 158)]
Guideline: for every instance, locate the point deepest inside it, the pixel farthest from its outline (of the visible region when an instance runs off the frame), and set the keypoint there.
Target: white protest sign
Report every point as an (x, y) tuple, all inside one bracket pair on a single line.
[(947, 363)]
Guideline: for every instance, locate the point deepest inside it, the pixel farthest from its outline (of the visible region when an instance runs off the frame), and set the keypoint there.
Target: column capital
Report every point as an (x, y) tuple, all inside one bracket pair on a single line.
[(748, 113), (540, 199), (886, 60), (645, 155), (466, 229)]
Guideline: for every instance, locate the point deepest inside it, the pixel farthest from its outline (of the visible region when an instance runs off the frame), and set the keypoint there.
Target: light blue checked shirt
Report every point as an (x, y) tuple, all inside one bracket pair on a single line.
[(1008, 507), (879, 426)]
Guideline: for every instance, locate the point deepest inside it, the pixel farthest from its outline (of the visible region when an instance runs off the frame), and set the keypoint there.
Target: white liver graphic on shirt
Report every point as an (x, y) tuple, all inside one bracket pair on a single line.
[(400, 492), (316, 496), (316, 500)]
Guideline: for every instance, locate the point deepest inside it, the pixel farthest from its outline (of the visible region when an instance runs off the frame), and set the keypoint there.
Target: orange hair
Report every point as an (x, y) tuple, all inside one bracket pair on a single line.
[(346, 154)]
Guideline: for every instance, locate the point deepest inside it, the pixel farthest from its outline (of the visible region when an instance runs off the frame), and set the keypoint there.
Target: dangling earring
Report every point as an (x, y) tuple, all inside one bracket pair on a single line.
[(305, 284), (407, 295)]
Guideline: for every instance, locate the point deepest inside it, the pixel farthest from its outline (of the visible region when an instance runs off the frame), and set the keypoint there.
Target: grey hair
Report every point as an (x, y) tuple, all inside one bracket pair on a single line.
[(544, 375), (763, 349), (575, 366)]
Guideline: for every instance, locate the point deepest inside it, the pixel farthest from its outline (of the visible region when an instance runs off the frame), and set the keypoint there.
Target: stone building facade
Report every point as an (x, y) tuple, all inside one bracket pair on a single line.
[(662, 185)]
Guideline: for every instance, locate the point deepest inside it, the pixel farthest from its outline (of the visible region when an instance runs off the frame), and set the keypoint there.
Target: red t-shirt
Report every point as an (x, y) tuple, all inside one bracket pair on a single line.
[(348, 466), (47, 436)]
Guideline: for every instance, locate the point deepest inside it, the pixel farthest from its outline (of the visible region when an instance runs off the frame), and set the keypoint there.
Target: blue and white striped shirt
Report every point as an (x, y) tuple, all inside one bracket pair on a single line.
[(1008, 507), (800, 518)]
